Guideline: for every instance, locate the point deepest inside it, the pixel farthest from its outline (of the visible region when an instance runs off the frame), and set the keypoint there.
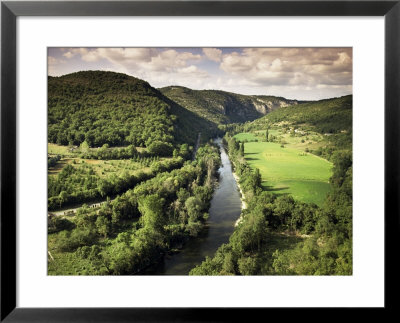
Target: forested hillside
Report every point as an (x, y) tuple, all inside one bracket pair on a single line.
[(223, 107), (324, 116), (118, 110)]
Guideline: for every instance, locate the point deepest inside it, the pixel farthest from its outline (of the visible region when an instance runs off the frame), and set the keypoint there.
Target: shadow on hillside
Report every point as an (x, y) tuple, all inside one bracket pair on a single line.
[(270, 188)]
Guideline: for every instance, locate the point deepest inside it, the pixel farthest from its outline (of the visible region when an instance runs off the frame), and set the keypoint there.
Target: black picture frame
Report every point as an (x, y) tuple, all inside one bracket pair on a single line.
[(10, 10)]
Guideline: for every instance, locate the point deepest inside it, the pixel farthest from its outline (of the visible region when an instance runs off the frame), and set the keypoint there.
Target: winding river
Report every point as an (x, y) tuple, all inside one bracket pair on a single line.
[(224, 211)]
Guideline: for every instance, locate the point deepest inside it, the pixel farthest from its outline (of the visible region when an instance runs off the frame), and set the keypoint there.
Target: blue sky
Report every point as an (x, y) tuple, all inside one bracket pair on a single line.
[(296, 73)]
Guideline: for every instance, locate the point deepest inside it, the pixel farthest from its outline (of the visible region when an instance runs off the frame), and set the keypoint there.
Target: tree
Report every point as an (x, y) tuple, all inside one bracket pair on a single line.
[(193, 207), (104, 187), (184, 151), (84, 147), (151, 208), (63, 196), (102, 226), (255, 180), (160, 148)]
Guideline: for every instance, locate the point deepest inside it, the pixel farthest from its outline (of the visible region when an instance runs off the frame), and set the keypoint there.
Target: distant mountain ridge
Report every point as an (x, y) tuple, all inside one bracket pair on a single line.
[(223, 107)]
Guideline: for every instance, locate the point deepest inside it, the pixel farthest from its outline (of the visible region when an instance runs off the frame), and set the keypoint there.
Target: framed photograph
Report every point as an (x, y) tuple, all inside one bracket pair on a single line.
[(162, 159)]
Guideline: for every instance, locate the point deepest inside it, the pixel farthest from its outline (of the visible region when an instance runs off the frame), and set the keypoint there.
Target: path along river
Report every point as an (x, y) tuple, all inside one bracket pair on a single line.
[(224, 212)]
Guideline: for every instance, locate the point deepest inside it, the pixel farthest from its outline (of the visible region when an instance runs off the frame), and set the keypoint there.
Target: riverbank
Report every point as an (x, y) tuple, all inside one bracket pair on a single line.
[(242, 198)]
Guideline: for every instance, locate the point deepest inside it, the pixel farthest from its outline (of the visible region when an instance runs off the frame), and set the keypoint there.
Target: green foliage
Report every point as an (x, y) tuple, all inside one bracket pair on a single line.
[(151, 208), (97, 108), (56, 224), (160, 148), (52, 160), (171, 207), (81, 184), (325, 116), (80, 236)]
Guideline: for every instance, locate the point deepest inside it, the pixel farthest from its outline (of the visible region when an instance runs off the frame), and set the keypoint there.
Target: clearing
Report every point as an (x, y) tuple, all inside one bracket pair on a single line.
[(290, 171)]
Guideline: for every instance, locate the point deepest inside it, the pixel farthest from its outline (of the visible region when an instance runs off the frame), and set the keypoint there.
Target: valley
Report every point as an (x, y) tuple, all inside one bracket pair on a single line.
[(152, 190)]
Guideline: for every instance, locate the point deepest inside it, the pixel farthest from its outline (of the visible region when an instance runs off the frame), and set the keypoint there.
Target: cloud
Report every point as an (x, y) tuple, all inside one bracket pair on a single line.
[(213, 54), (291, 66), (68, 55), (53, 63), (194, 71), (137, 60)]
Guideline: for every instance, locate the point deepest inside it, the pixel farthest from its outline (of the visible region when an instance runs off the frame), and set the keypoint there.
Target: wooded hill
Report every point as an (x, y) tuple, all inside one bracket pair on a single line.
[(325, 116), (223, 107), (119, 110)]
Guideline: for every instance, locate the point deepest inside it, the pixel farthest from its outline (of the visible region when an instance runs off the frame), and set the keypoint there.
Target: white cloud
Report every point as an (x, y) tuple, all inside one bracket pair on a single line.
[(53, 63), (293, 68), (68, 55), (213, 54)]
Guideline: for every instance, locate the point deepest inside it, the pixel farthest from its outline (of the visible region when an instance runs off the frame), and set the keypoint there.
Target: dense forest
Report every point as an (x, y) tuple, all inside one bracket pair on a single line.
[(145, 159), (118, 110)]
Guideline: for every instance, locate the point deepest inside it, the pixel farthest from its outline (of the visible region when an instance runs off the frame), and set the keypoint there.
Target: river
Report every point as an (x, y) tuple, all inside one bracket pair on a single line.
[(224, 211)]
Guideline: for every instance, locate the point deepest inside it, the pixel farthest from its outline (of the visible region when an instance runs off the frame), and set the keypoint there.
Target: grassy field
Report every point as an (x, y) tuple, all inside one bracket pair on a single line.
[(311, 141), (247, 136), (57, 149), (291, 171)]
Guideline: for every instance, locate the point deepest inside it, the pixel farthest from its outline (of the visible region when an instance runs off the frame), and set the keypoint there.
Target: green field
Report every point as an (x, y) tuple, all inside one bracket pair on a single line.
[(289, 170), (57, 149), (246, 136)]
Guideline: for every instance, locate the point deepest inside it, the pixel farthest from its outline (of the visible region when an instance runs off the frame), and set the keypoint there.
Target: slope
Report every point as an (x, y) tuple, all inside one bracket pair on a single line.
[(116, 109), (325, 116), (223, 107)]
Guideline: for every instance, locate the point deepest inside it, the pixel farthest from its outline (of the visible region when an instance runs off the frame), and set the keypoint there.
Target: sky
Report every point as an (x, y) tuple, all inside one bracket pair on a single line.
[(294, 73)]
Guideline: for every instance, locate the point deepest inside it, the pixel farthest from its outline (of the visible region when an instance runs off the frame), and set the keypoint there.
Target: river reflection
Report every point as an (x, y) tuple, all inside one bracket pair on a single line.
[(224, 211)]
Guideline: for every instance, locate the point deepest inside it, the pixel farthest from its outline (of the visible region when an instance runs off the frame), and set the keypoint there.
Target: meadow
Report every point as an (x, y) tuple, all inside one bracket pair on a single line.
[(286, 170)]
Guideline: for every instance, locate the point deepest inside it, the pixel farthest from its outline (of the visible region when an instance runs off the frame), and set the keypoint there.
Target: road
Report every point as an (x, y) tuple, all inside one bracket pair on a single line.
[(72, 211)]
